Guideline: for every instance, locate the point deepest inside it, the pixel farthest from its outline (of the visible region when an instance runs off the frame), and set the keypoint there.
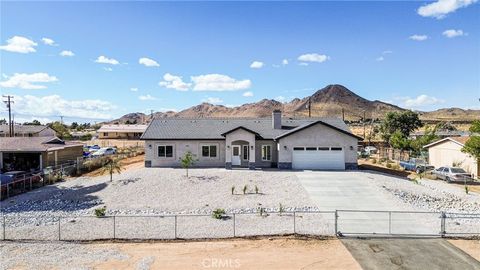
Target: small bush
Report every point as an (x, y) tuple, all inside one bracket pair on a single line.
[(281, 209), (261, 211), (256, 190), (100, 212), (233, 190), (396, 167), (389, 165), (381, 160), (218, 213), (374, 160), (245, 189), (466, 189)]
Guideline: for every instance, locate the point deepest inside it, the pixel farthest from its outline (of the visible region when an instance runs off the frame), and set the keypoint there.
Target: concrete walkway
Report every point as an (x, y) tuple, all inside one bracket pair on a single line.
[(429, 254)]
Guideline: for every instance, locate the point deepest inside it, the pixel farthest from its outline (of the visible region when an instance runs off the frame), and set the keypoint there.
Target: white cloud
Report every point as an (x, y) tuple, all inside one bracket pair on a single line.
[(285, 62), (28, 81), (387, 52), (420, 101), (134, 89), (54, 105), (418, 37), (303, 64), (313, 57), (148, 62), (19, 44), (67, 53), (212, 100), (451, 33), (108, 69), (441, 8), (248, 94), (219, 82), (49, 41), (104, 60), (380, 59), (174, 82), (146, 97), (257, 64)]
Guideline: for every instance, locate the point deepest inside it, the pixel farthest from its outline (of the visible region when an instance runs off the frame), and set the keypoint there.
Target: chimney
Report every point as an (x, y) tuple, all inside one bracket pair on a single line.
[(277, 119)]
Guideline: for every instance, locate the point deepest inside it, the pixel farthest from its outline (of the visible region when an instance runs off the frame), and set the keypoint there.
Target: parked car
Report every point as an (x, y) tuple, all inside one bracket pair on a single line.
[(416, 165), (106, 151), (371, 149), (452, 174), (9, 177)]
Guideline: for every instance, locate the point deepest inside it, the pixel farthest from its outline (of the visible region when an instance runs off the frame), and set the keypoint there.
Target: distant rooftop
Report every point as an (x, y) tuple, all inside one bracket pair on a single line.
[(33, 144), (23, 129), (123, 128)]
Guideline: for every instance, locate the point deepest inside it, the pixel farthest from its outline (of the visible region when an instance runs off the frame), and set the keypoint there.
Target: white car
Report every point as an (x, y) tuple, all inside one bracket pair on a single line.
[(452, 174), (105, 151)]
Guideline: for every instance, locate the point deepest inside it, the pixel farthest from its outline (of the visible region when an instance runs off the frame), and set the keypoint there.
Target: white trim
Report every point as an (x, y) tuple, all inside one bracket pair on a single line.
[(443, 140), (261, 152)]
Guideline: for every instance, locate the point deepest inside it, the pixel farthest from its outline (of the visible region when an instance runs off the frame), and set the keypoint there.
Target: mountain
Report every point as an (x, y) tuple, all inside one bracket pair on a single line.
[(330, 101)]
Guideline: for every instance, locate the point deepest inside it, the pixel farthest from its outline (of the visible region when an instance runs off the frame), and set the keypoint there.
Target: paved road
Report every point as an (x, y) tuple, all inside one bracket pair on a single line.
[(355, 191), (379, 253)]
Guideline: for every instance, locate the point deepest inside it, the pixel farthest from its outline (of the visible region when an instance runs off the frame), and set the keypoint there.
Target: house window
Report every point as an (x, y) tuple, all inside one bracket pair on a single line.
[(209, 151), (298, 148), (266, 152), (336, 149), (311, 149), (105, 134), (165, 151), (245, 152), (323, 148)]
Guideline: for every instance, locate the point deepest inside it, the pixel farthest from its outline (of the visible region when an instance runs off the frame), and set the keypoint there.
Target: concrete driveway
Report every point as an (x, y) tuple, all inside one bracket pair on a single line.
[(345, 190), (332, 191)]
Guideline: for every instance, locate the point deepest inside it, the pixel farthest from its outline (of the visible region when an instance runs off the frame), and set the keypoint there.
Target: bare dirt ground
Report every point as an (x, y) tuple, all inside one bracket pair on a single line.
[(267, 253), (128, 164), (471, 247)]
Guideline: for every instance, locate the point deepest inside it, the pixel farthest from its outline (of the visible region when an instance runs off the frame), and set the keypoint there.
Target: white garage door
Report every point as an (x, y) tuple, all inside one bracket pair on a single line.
[(318, 158)]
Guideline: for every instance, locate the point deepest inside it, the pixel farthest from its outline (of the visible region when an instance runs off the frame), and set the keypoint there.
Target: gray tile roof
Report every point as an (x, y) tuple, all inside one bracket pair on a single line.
[(23, 129), (33, 144), (209, 128)]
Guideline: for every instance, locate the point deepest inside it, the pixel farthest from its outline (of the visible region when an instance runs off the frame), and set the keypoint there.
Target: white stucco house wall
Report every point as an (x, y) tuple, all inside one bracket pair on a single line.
[(276, 142), (447, 152)]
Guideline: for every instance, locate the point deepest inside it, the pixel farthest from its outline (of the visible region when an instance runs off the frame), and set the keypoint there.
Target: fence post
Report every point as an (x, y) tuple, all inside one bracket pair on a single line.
[(4, 225), (114, 227), (175, 226), (442, 224), (336, 222), (294, 222), (234, 225), (389, 222), (59, 229)]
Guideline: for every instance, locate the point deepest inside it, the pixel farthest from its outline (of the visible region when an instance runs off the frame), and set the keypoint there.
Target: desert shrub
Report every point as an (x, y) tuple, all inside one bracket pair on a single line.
[(381, 160), (281, 208), (396, 166), (373, 160), (245, 189), (466, 189), (256, 189), (100, 212), (389, 165), (233, 190), (218, 213), (261, 211)]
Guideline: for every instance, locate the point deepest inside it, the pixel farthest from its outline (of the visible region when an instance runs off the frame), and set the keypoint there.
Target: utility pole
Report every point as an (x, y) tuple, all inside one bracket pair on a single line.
[(61, 119), (9, 101), (343, 114), (363, 124), (309, 107)]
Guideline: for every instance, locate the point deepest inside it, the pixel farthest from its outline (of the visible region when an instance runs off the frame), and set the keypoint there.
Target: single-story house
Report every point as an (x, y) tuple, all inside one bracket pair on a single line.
[(447, 152), (36, 153), (313, 143), (27, 131), (129, 132)]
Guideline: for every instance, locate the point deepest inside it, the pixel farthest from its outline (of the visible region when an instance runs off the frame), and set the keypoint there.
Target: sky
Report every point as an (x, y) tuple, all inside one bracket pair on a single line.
[(95, 61)]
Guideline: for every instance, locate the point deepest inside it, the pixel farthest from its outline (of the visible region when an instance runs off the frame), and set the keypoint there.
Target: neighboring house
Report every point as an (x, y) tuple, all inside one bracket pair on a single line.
[(36, 153), (442, 133), (129, 132), (315, 143), (447, 152), (27, 131)]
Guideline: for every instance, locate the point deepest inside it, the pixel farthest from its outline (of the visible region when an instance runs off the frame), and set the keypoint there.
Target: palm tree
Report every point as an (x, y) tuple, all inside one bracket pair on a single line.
[(112, 165)]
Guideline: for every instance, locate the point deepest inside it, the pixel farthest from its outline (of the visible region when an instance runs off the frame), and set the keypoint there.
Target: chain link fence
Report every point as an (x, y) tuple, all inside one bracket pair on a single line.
[(312, 223)]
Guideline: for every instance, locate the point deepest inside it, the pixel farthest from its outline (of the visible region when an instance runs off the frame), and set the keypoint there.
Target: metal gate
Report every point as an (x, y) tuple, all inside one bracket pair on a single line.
[(400, 223)]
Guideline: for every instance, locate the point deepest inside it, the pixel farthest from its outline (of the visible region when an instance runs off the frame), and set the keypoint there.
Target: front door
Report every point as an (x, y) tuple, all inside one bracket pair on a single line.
[(236, 155)]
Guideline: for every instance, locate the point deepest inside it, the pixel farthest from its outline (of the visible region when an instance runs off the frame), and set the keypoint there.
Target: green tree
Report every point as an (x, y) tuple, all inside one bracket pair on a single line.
[(74, 125), (3, 121), (399, 141), (405, 122), (33, 123), (187, 161), (61, 130), (429, 136), (112, 165), (475, 127)]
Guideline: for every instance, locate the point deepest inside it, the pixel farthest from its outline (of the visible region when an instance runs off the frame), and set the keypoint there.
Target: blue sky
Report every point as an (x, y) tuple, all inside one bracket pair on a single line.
[(421, 55)]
